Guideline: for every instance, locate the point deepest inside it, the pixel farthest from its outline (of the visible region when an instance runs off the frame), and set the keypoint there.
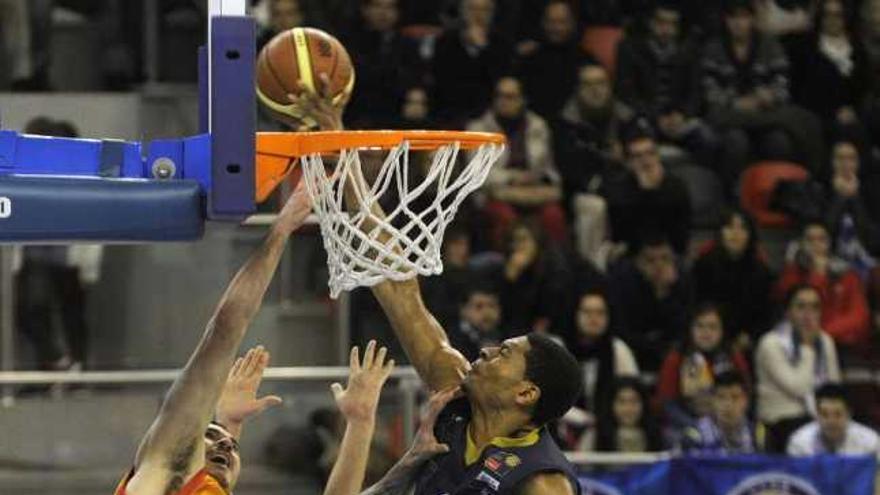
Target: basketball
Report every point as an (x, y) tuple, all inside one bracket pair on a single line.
[(302, 54)]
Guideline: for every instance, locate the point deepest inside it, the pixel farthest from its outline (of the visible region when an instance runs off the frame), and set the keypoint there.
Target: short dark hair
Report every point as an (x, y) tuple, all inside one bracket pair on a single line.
[(832, 391), (637, 129), (650, 238), (797, 289), (730, 379), (733, 6), (555, 371)]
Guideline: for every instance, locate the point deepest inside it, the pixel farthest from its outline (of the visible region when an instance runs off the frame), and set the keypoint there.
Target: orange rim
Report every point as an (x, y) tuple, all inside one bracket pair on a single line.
[(277, 152)]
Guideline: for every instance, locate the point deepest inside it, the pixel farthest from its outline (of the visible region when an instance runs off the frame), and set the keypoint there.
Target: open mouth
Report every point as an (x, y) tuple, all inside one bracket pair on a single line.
[(220, 460)]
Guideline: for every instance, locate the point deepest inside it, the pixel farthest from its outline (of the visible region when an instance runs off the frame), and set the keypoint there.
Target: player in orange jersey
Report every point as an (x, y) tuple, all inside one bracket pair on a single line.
[(181, 454)]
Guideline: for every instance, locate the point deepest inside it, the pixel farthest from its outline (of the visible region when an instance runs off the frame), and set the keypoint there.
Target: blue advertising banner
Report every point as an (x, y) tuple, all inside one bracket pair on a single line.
[(739, 475)]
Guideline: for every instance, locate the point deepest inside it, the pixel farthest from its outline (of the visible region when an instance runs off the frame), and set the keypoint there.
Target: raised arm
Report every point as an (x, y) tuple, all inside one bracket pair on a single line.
[(419, 333), (173, 448), (358, 403)]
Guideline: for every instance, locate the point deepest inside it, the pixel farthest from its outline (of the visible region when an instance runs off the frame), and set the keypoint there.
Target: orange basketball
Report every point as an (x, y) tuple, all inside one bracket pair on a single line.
[(301, 54)]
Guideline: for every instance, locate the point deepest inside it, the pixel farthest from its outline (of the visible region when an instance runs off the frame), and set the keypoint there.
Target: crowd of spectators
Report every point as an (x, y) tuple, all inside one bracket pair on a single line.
[(594, 226), (616, 220)]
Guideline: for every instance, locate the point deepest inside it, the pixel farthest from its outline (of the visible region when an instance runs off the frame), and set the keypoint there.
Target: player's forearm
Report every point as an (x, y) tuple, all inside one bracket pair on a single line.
[(398, 479), (347, 476)]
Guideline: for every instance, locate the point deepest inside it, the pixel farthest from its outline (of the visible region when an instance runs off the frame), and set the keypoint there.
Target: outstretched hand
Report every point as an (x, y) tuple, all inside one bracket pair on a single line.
[(425, 444), (238, 400), (360, 398)]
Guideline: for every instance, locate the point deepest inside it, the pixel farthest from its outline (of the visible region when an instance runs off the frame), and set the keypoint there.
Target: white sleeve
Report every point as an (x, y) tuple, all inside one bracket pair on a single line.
[(799, 443), (624, 361), (795, 380), (834, 374)]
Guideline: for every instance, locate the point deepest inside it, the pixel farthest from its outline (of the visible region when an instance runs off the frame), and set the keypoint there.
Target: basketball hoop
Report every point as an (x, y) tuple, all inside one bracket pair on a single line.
[(365, 243)]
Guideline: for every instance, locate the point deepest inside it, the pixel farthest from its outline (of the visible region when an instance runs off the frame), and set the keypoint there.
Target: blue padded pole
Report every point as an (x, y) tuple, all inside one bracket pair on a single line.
[(232, 117)]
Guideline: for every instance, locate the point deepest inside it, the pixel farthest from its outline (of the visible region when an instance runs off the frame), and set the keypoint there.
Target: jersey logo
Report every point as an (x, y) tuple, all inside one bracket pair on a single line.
[(500, 463), (773, 484), (489, 480)]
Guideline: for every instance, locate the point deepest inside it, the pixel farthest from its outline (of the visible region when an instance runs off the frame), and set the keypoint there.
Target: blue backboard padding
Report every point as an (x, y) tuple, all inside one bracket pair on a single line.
[(46, 209), (232, 117), (26, 154)]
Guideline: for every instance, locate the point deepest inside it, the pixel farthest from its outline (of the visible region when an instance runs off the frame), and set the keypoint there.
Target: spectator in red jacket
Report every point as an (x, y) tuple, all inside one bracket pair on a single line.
[(845, 313), (684, 388)]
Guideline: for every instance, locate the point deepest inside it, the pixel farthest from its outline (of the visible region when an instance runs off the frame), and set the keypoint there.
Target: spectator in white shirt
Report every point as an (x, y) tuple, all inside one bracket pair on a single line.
[(834, 432), (791, 361)]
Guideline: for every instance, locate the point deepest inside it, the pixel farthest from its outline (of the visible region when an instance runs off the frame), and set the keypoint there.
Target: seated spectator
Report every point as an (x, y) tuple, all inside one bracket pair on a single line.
[(650, 201), (283, 15), (790, 362), (856, 233), (444, 293), (746, 89), (478, 322), (385, 62), (547, 67), (467, 62), (415, 110), (728, 429), (649, 299), (534, 283), (684, 387), (732, 272), (831, 73), (525, 179), (601, 354), (592, 118), (845, 312), (657, 77), (628, 426), (834, 431)]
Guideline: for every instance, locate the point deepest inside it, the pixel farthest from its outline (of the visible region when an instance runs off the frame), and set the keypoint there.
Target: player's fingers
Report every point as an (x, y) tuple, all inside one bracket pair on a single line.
[(326, 89), (270, 401), (246, 362), (336, 389), (389, 367), (253, 361), (440, 448), (380, 357), (353, 359), (368, 355), (262, 362), (236, 367)]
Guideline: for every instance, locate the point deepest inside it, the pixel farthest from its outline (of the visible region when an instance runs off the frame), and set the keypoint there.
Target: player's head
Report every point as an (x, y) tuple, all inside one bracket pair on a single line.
[(665, 22), (730, 400), (380, 15), (509, 102), (222, 455), (531, 374), (833, 412)]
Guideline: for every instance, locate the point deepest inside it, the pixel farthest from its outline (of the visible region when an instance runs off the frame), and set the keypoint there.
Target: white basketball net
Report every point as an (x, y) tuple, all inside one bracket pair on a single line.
[(366, 246)]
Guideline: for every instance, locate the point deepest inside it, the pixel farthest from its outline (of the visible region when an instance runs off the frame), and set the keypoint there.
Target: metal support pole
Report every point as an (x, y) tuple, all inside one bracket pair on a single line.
[(7, 319), (409, 396)]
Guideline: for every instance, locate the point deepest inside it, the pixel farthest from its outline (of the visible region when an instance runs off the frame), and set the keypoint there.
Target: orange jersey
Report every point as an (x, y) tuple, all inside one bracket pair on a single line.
[(200, 484)]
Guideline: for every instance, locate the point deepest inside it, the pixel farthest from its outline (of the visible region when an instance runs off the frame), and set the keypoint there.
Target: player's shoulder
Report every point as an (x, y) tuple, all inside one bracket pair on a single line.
[(547, 483)]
